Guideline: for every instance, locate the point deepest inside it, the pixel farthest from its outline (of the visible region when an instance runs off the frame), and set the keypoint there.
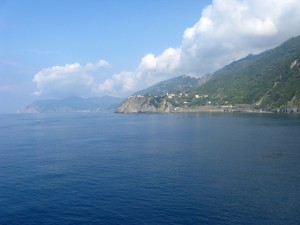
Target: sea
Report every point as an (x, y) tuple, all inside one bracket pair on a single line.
[(185, 168)]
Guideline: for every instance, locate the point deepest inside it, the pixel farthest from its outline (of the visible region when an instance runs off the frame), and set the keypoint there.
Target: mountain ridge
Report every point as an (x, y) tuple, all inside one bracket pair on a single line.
[(247, 80), (269, 81), (183, 83), (73, 104)]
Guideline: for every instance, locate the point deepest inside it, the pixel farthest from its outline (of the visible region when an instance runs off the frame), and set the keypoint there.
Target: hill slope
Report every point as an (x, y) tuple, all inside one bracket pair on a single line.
[(268, 81), (178, 84)]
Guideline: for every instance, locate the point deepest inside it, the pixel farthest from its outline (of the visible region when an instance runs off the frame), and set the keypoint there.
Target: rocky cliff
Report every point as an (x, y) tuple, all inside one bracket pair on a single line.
[(140, 104)]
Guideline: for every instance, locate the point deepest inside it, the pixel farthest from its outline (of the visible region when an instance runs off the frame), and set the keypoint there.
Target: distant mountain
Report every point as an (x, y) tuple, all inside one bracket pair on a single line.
[(178, 84), (73, 104), (269, 81)]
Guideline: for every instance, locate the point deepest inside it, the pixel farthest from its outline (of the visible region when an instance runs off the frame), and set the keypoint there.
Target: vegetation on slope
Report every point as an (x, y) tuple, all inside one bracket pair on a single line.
[(178, 84), (267, 80)]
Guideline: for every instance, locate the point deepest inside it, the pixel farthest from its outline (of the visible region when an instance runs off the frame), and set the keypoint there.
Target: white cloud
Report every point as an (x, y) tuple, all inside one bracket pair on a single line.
[(69, 80), (150, 70), (98, 65), (227, 30)]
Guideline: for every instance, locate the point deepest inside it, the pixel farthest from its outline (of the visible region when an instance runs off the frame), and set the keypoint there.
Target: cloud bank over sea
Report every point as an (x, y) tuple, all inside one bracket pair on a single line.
[(226, 31)]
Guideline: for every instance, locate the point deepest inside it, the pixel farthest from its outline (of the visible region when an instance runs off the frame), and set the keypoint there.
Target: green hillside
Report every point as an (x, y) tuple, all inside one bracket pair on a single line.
[(268, 80), (178, 84), (265, 82)]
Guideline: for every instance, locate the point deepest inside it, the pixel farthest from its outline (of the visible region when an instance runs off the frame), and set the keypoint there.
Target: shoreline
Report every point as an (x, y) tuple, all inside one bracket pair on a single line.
[(208, 109)]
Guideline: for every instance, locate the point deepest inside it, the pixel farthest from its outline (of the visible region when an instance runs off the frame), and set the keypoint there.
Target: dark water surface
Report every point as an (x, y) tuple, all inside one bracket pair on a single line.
[(105, 168)]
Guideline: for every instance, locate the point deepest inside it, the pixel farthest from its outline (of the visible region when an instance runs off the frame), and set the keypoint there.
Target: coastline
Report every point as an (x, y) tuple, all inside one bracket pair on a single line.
[(204, 109), (241, 108), (154, 104)]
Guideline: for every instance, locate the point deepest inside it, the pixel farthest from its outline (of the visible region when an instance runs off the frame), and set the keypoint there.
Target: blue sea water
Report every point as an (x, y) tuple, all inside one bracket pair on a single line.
[(106, 168)]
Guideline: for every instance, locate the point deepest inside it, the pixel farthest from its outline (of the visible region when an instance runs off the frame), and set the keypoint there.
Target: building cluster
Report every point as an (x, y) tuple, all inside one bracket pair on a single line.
[(180, 95)]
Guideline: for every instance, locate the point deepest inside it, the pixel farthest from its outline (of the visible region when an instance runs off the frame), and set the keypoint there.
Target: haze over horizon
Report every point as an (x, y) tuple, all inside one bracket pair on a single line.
[(58, 49)]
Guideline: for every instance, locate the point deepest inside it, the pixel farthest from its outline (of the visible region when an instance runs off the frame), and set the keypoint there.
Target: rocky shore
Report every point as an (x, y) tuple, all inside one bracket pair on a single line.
[(150, 104)]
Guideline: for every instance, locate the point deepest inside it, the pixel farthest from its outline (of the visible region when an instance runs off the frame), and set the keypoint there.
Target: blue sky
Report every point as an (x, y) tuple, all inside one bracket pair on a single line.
[(39, 34), (45, 33), (59, 48)]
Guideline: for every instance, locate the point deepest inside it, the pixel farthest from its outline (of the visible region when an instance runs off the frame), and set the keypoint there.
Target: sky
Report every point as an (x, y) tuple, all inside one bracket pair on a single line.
[(87, 48)]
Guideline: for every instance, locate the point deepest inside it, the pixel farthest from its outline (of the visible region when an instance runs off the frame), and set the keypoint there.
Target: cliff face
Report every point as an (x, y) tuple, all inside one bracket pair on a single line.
[(161, 97), (139, 104)]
